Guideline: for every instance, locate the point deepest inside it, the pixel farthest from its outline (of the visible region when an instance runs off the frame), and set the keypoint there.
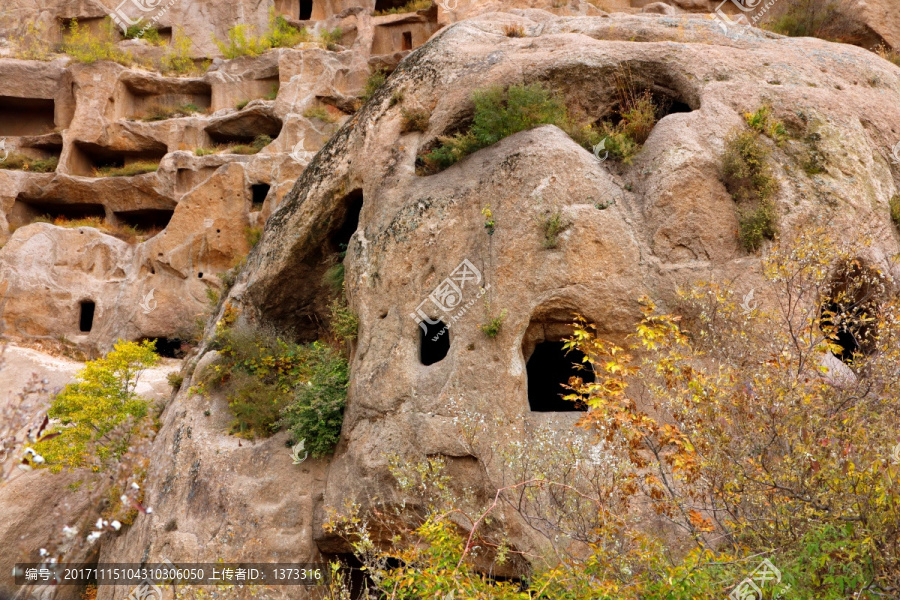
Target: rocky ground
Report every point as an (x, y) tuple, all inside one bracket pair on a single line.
[(350, 181)]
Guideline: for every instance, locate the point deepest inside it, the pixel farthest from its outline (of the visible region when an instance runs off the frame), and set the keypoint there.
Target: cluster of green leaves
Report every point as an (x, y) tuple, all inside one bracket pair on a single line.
[(895, 209), (375, 80), (86, 46), (100, 411), (748, 178), (344, 322), (19, 162), (319, 112), (34, 44), (553, 225), (242, 42), (494, 324), (178, 58), (414, 120), (763, 122), (140, 31), (330, 37), (272, 383)]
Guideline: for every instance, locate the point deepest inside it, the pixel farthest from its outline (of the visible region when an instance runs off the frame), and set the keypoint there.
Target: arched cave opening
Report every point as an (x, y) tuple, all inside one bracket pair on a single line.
[(434, 342), (168, 347), (349, 221), (306, 7), (549, 368), (86, 316), (258, 193), (850, 307)]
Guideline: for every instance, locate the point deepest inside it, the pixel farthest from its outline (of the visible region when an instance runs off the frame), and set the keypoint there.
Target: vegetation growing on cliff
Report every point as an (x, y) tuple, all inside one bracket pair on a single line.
[(88, 46), (716, 439), (271, 383), (99, 413), (748, 177)]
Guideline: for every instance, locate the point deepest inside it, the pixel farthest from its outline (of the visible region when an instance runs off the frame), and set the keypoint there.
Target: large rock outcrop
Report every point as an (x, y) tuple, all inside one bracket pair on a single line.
[(643, 228)]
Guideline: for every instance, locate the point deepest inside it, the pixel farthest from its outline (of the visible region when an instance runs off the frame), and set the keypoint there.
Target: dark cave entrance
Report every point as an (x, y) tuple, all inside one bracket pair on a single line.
[(407, 40), (382, 5), (168, 347), (850, 307), (306, 7), (86, 316), (258, 192), (147, 220), (434, 342), (549, 368), (340, 238)]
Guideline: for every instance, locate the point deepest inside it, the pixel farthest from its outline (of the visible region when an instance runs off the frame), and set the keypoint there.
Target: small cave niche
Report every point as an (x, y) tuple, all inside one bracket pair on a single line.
[(382, 5), (149, 221), (90, 160), (395, 37), (258, 194), (850, 306), (244, 127), (348, 217), (549, 368), (434, 342), (305, 10), (407, 40), (86, 309), (169, 347), (28, 210), (26, 116), (146, 98), (548, 365)]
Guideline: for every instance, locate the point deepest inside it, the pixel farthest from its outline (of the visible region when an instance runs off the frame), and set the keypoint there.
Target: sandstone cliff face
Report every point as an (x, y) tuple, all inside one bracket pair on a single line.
[(644, 228)]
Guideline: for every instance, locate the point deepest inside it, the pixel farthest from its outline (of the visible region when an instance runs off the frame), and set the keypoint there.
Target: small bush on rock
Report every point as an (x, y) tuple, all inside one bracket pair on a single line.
[(895, 210), (178, 58), (85, 46), (19, 162), (748, 178), (100, 412)]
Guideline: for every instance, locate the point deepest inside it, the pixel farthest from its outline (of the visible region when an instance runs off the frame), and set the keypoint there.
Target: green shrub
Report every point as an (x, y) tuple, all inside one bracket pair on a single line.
[(414, 120), (756, 224), (178, 58), (316, 412), (259, 142), (748, 178), (242, 104), (553, 225), (136, 168), (35, 44), (494, 325), (204, 151), (241, 42), (763, 122), (895, 210), (331, 38), (98, 414), (375, 80), (84, 46), (175, 380), (319, 112), (253, 235), (498, 113), (748, 175), (271, 383), (411, 6), (273, 94), (344, 322), (282, 34), (140, 31), (334, 276), (19, 162)]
